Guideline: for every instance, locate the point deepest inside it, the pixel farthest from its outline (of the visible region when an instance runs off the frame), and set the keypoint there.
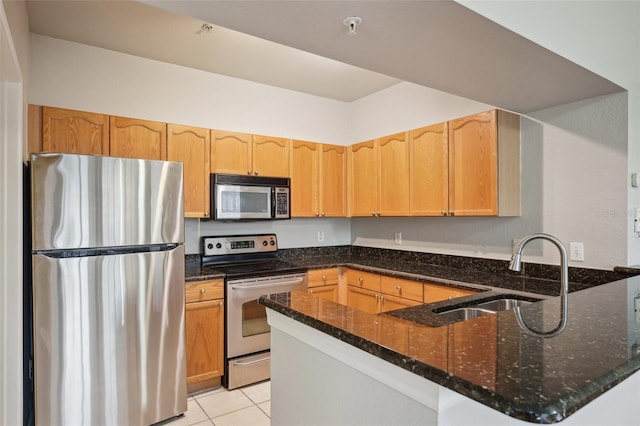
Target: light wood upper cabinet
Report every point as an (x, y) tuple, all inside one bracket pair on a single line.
[(380, 177), (242, 153), (484, 164), (363, 169), (231, 152), (467, 167), (318, 180), (132, 138), (333, 181), (191, 146), (76, 132), (429, 179), (393, 179), (270, 156), (304, 179)]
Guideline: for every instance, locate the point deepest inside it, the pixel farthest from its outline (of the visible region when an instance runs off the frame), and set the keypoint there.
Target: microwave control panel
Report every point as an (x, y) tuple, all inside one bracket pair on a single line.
[(282, 202), (240, 244)]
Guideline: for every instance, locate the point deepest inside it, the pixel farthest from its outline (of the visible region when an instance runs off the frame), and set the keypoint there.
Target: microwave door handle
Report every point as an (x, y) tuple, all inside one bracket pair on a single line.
[(273, 284)]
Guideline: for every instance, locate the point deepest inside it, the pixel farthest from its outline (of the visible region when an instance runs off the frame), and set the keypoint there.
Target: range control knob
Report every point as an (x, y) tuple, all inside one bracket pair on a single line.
[(273, 243), (218, 246), (209, 246), (264, 243)]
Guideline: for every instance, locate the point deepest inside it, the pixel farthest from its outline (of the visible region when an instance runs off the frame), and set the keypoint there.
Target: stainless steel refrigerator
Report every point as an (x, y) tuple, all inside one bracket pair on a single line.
[(108, 290)]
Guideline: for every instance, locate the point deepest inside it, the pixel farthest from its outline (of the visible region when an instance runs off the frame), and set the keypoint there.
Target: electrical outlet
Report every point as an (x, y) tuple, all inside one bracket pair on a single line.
[(397, 238), (576, 252), (320, 236)]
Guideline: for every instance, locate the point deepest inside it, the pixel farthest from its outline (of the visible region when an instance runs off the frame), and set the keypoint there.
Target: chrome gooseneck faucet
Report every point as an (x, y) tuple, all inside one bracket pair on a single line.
[(516, 265)]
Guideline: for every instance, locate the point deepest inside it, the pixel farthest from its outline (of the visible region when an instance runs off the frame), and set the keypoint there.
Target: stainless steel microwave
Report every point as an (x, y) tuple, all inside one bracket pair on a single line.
[(241, 197)]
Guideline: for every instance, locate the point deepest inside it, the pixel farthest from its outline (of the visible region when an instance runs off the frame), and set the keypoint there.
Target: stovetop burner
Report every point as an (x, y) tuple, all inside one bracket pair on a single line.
[(261, 268)]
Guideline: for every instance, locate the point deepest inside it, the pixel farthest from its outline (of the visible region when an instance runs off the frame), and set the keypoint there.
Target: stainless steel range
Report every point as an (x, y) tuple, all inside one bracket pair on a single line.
[(252, 270)]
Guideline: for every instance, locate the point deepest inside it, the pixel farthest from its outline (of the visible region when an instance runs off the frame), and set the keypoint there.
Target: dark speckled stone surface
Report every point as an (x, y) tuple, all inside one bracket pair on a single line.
[(490, 359)]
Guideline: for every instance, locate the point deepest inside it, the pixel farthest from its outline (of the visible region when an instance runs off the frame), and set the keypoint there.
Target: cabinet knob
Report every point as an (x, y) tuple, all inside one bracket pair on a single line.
[(452, 213), (206, 213), (248, 172), (255, 173), (322, 214), (444, 213), (202, 291), (373, 213), (317, 214), (399, 288), (360, 279), (377, 214), (324, 278), (221, 303), (310, 291)]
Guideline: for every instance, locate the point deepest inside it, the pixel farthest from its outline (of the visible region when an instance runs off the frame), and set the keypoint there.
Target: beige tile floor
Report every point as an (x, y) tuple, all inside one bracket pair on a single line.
[(248, 406)]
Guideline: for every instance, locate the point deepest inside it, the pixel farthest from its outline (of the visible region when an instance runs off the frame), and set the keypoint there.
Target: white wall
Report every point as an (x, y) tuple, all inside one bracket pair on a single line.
[(77, 76), (602, 36), (13, 69)]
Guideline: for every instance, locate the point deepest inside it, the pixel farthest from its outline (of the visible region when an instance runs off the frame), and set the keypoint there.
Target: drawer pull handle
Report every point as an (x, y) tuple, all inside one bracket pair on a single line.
[(202, 291), (324, 278)]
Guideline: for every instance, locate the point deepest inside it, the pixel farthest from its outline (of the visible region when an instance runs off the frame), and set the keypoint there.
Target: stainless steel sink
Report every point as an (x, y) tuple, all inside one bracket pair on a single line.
[(480, 308), (463, 314), (502, 304)]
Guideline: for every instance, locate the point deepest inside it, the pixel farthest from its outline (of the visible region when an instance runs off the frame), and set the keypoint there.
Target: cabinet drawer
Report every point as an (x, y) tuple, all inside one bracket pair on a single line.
[(402, 288), (435, 292), (199, 291), (363, 279), (319, 277)]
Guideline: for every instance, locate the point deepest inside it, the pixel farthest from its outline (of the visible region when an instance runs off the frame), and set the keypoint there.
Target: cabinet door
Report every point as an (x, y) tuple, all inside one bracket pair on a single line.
[(231, 153), (270, 156), (429, 179), (76, 132), (393, 180), (389, 303), (329, 292), (204, 341), (304, 179), (473, 165), (364, 179), (191, 146), (333, 181), (362, 299), (133, 138)]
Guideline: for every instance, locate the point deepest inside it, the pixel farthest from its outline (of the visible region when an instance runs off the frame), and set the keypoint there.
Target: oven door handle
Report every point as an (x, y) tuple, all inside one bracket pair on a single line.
[(270, 284)]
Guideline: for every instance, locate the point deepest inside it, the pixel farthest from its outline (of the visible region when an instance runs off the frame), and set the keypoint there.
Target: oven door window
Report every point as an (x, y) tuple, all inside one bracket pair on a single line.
[(254, 319)]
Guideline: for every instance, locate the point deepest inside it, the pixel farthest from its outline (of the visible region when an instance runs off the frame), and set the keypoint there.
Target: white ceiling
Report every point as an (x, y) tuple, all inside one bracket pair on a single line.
[(142, 30), (437, 44)]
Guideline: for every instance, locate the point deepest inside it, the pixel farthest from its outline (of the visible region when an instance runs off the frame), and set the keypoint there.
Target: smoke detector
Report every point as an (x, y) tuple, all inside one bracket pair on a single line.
[(352, 23)]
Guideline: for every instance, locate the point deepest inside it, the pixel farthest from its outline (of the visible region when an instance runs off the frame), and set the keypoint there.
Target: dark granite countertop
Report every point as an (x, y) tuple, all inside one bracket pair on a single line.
[(491, 359), (401, 267)]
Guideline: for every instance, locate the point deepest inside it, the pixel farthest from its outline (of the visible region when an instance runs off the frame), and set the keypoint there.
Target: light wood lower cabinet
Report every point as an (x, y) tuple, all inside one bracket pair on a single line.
[(204, 334), (324, 283)]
